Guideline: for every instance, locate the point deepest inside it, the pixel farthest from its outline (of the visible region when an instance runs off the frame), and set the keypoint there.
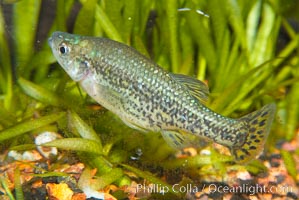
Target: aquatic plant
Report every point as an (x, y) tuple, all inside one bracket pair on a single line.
[(237, 47)]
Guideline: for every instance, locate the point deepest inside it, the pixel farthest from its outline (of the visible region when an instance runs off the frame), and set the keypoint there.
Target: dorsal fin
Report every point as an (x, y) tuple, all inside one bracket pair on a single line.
[(196, 88)]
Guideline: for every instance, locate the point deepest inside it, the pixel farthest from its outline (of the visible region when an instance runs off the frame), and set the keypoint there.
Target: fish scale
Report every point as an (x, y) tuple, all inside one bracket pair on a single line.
[(148, 98)]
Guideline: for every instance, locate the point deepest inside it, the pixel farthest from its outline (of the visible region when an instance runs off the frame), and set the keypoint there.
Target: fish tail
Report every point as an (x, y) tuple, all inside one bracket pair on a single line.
[(259, 125)]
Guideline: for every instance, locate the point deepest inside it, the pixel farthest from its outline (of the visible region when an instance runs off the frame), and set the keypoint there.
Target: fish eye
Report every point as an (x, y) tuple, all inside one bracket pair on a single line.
[(63, 49)]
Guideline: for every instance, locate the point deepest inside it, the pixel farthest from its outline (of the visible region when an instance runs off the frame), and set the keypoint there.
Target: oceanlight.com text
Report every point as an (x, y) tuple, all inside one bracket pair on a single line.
[(212, 188), (248, 189)]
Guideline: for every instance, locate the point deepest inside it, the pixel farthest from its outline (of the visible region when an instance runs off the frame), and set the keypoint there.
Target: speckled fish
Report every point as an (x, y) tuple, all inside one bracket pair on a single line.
[(148, 98)]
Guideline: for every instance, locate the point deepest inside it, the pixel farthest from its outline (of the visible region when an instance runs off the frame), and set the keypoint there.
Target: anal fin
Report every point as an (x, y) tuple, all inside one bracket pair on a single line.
[(179, 139), (134, 126)]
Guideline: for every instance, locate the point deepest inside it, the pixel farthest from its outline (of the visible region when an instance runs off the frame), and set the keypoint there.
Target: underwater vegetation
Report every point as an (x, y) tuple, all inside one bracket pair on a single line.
[(246, 51)]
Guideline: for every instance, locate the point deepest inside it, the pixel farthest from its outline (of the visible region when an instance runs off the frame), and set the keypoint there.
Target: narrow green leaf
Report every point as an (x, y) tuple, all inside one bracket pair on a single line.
[(129, 18), (218, 20), (187, 50), (5, 66), (140, 46), (25, 18), (96, 183), (289, 163), (288, 27), (233, 91), (142, 16), (260, 52), (292, 112), (255, 167), (172, 18), (85, 179), (63, 9), (24, 147), (29, 125), (246, 89), (236, 20), (39, 93), (114, 9), (50, 174), (18, 185), (60, 16), (5, 186), (197, 161), (108, 178), (222, 61), (123, 181), (10, 1), (234, 59), (202, 67), (107, 25), (190, 162), (76, 144), (84, 129), (203, 38), (288, 50), (6, 118), (86, 17), (40, 62), (252, 23), (102, 164)]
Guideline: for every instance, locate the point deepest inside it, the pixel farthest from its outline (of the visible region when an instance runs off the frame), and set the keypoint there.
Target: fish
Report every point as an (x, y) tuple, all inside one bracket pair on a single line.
[(148, 98)]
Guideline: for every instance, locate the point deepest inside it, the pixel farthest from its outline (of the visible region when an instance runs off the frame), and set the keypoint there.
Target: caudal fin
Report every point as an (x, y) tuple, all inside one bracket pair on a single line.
[(259, 124)]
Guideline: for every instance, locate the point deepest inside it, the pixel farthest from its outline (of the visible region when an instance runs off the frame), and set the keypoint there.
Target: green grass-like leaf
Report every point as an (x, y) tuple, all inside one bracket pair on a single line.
[(84, 130), (40, 93), (106, 179), (289, 163), (107, 25), (5, 186), (76, 144), (293, 112), (18, 185), (85, 19), (29, 125), (233, 46), (25, 24), (172, 18), (6, 76)]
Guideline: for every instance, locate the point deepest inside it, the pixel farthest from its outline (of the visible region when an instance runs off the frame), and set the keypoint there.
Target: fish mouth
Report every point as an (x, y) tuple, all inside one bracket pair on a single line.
[(50, 41)]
